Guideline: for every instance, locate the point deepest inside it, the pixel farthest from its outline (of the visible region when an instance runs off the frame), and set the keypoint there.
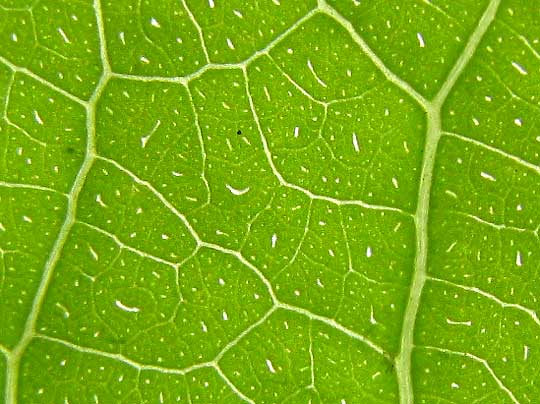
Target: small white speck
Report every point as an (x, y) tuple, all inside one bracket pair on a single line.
[(145, 139), (100, 201), (519, 261), (369, 252), (518, 122), (452, 322), (372, 317), (211, 3), (122, 306), (406, 147), (355, 142), (274, 240), (270, 366), (267, 93), (487, 176), (237, 192), (421, 41), (144, 59), (93, 252), (14, 37), (296, 131), (451, 193), (38, 118), (520, 68), (155, 23), (65, 311), (238, 14), (455, 385), (230, 43), (224, 316), (63, 35), (395, 182)]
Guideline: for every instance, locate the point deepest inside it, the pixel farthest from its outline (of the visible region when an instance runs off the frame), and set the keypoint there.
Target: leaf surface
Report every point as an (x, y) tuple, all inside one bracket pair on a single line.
[(303, 202)]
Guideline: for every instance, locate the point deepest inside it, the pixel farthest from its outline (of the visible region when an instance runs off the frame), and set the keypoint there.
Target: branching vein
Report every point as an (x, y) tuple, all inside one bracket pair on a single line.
[(434, 132)]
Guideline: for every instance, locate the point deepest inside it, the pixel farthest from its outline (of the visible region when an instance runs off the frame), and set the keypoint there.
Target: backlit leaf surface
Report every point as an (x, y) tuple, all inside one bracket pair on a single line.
[(266, 202)]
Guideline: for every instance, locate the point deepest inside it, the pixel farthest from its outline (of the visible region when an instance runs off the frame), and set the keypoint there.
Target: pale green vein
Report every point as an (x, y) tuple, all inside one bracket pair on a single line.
[(126, 247), (498, 226), (285, 183), (296, 85), (334, 324), (14, 358), (4, 350), (433, 135), (440, 10), (123, 359), (519, 160), (24, 132), (390, 75), (311, 358), (315, 100), (201, 144), (232, 386), (199, 30), (529, 312), (244, 333), (472, 44), (33, 187), (221, 66), (246, 263), (41, 80), (103, 54), (54, 256), (482, 361), (156, 193)]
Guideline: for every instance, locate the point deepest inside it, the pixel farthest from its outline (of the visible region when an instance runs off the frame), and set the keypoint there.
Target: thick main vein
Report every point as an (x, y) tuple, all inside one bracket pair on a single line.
[(14, 357), (421, 216)]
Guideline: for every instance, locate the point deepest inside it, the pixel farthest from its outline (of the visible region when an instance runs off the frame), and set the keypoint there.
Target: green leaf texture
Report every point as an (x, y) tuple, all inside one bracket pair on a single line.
[(269, 202)]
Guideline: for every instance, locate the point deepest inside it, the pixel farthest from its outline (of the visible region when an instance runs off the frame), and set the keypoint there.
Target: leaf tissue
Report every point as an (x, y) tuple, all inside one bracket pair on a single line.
[(269, 202)]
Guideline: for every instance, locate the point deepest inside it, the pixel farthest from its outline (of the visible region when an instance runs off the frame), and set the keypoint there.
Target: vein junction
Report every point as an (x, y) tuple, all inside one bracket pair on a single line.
[(433, 135)]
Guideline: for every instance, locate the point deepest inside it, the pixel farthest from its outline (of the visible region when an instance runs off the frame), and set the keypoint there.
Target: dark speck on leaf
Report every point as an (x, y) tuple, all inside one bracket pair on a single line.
[(238, 132), (70, 150)]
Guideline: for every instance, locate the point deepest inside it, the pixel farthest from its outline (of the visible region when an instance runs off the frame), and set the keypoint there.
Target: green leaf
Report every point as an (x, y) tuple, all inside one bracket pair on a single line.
[(325, 202)]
